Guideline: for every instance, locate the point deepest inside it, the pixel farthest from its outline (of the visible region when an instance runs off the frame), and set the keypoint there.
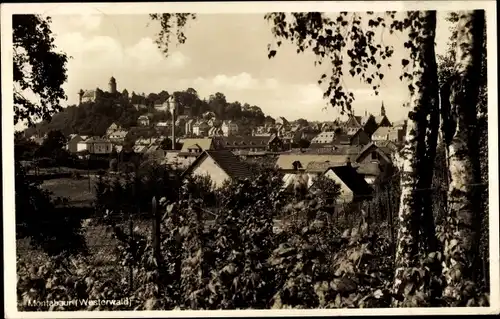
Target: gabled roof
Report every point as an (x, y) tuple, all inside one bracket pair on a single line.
[(387, 146), (365, 119), (96, 139), (246, 141), (352, 179), (203, 143), (285, 161), (89, 93), (380, 118), (382, 131), (381, 151), (195, 147), (321, 167), (226, 160), (119, 133)]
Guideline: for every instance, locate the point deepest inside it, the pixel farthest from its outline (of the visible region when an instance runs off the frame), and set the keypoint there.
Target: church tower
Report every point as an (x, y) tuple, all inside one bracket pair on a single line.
[(112, 85), (382, 110)]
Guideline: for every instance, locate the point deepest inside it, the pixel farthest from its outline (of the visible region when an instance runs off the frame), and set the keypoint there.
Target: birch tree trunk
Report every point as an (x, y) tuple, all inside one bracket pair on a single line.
[(461, 245), (415, 170)]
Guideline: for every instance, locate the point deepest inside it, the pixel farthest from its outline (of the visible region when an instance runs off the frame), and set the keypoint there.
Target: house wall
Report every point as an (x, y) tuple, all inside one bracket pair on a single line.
[(101, 148), (72, 145), (81, 147), (368, 158), (210, 168), (346, 195)]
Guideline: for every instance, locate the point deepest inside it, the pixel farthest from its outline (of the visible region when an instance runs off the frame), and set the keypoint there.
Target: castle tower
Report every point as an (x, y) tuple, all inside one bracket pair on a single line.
[(382, 109), (80, 96), (112, 85)]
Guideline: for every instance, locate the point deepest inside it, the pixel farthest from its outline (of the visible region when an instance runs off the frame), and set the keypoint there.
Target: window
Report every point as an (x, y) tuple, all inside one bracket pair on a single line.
[(374, 156)]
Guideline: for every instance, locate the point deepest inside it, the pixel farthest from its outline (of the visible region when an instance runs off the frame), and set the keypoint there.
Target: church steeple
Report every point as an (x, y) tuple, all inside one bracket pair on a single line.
[(382, 109)]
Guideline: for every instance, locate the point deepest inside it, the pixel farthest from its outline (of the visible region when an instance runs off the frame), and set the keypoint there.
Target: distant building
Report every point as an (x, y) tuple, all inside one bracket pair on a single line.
[(89, 96), (229, 128), (353, 187), (200, 128), (393, 134), (118, 137), (215, 131), (143, 120), (213, 122), (162, 124), (97, 145), (93, 95), (189, 126), (112, 128), (282, 121), (251, 144), (220, 166), (72, 143), (326, 137)]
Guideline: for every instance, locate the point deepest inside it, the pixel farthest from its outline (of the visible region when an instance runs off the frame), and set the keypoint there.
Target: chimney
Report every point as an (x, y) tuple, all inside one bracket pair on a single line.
[(348, 162)]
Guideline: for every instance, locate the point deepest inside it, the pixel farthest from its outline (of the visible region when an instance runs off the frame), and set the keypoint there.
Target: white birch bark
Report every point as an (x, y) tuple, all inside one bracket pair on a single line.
[(461, 242), (413, 154)]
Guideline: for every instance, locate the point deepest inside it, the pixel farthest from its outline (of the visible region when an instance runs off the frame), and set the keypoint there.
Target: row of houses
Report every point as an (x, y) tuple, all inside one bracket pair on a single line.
[(222, 165)]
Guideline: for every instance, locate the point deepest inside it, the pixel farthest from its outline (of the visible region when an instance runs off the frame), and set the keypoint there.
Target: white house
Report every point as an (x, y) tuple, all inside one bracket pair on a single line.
[(220, 166), (118, 136), (229, 128), (189, 126), (200, 128), (143, 120)]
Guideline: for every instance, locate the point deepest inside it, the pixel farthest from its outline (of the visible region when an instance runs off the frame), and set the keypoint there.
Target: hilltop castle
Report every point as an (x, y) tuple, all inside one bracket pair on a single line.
[(93, 95)]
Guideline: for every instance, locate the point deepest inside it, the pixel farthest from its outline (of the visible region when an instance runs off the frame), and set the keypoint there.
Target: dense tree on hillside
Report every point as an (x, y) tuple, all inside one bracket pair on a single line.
[(217, 103), (302, 122), (55, 141)]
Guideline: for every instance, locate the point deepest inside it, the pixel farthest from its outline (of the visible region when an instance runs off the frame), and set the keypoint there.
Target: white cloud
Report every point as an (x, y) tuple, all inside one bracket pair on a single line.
[(146, 55), (242, 81), (310, 94), (89, 21), (271, 83), (177, 60)]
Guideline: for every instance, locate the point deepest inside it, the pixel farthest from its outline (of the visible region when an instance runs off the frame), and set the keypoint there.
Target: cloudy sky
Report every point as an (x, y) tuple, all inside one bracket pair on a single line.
[(223, 53)]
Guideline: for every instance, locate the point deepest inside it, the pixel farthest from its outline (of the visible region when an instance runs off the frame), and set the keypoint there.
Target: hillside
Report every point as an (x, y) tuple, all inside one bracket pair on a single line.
[(93, 118)]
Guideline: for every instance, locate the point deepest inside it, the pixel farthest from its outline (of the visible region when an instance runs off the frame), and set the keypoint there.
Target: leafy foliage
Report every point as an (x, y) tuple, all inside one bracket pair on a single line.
[(39, 218), (38, 69)]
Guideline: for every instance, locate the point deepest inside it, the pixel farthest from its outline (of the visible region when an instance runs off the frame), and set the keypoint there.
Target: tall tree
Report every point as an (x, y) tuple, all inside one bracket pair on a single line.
[(38, 69), (420, 148), (461, 245), (218, 104)]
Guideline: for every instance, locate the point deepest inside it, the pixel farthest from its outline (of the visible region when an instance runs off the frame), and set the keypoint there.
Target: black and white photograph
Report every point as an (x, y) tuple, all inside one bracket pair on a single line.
[(312, 158)]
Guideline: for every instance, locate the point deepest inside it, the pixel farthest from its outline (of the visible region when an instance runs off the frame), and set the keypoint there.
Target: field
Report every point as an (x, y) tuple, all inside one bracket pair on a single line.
[(79, 192)]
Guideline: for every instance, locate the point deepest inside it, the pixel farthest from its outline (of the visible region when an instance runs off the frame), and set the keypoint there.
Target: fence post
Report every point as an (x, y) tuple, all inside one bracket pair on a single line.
[(156, 232)]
